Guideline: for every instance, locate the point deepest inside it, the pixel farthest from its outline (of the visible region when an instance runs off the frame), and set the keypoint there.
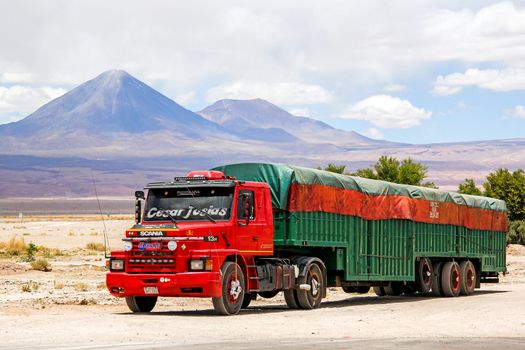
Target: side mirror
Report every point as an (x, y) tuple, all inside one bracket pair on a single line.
[(139, 195)]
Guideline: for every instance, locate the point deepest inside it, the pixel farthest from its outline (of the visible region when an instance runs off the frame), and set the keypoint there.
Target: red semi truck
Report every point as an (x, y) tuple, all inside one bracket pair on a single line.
[(275, 228)]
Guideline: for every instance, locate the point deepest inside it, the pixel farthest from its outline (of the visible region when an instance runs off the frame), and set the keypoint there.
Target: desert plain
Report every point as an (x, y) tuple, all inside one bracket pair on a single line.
[(69, 307)]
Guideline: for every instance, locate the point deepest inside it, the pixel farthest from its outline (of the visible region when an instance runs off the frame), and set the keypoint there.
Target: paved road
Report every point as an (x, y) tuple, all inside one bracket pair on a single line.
[(493, 318)]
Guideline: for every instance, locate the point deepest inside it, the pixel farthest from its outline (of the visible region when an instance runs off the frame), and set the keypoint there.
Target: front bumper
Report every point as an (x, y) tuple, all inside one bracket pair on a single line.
[(186, 284)]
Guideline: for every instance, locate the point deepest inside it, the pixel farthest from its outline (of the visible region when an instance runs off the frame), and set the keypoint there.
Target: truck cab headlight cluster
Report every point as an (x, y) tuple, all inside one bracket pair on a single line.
[(116, 265), (200, 264)]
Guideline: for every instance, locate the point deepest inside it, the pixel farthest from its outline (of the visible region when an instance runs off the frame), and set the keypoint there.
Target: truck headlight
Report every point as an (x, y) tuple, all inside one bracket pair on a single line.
[(196, 265), (202, 264), (116, 265), (172, 245)]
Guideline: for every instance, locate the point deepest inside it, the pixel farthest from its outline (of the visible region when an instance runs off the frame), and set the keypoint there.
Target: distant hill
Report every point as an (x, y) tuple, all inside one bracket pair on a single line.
[(265, 118), (124, 133), (112, 102)]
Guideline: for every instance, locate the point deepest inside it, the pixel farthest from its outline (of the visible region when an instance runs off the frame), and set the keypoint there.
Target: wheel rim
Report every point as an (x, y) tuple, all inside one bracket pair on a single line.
[(234, 290), (455, 278), (427, 274), (315, 285), (470, 278)]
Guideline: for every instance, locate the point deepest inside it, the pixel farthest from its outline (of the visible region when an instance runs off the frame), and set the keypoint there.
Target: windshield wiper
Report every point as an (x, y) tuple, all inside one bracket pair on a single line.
[(208, 216), (171, 217)]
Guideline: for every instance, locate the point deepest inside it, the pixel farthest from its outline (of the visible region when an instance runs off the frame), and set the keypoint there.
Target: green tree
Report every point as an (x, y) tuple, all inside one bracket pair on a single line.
[(334, 168), (387, 169), (390, 169), (469, 187), (367, 173), (510, 187)]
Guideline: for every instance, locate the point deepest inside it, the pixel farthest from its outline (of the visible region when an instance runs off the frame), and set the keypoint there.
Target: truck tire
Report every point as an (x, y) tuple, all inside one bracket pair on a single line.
[(467, 277), (231, 300), (141, 304), (311, 299), (380, 291), (451, 279), (437, 289), (424, 275), (290, 297)]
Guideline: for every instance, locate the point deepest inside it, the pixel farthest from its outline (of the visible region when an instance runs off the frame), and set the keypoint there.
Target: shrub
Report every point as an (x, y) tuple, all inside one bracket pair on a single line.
[(16, 246), (81, 287), (99, 247), (516, 234), (30, 286), (31, 249), (41, 265)]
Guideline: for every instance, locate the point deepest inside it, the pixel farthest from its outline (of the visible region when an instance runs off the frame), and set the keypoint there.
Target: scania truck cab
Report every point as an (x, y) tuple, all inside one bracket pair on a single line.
[(203, 235)]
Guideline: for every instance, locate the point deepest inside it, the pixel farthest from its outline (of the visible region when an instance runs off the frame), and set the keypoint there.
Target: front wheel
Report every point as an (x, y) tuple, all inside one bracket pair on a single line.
[(232, 296), (141, 304)]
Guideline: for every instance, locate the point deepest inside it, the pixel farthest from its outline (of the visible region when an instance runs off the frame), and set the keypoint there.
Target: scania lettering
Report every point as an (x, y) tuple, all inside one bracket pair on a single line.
[(243, 231)]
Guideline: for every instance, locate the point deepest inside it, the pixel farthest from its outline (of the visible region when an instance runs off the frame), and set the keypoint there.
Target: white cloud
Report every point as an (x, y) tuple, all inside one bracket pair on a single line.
[(11, 77), (374, 133), (516, 112), (278, 93), (394, 88), (492, 79), (387, 112), (17, 100)]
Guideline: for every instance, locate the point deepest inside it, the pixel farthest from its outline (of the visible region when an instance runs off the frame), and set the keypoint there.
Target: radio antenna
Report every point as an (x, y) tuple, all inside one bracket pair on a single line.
[(106, 239)]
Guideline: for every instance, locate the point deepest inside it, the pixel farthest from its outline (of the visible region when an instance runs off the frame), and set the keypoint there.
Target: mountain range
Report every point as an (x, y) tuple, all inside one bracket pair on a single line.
[(127, 133)]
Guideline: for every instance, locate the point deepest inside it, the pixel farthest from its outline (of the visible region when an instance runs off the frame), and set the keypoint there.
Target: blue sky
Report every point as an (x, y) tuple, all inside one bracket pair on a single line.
[(406, 71)]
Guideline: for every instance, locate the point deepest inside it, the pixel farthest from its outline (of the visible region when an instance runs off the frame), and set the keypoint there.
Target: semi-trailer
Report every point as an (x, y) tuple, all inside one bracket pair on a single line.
[(245, 230)]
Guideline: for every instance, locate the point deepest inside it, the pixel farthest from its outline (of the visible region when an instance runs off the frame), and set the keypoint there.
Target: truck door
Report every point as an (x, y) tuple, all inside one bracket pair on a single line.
[(248, 233)]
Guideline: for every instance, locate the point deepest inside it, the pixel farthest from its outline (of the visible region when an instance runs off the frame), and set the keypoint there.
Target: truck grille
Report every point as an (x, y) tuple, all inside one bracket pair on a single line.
[(151, 256)]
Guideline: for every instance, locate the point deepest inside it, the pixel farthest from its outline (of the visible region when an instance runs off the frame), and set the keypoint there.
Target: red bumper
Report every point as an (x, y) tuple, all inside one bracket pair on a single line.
[(187, 284)]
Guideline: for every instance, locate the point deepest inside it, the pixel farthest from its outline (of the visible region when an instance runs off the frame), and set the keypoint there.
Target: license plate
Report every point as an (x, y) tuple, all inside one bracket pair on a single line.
[(151, 290)]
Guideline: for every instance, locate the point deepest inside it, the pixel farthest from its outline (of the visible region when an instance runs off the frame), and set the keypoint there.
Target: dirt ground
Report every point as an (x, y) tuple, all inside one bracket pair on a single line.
[(69, 307)]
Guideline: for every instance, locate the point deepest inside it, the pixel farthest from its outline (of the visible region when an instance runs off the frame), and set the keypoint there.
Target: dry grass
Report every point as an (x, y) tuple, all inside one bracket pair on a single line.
[(58, 285), (30, 286), (99, 247), (81, 287), (41, 265), (15, 246)]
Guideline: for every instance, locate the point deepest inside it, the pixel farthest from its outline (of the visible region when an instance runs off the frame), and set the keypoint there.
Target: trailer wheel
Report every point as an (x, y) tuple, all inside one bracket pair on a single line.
[(437, 289), (380, 291), (231, 300), (424, 275), (141, 304), (451, 279), (290, 296), (467, 277), (311, 299)]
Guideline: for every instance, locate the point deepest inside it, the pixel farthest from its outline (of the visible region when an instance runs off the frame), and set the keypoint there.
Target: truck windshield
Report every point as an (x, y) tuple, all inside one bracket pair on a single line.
[(189, 204)]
